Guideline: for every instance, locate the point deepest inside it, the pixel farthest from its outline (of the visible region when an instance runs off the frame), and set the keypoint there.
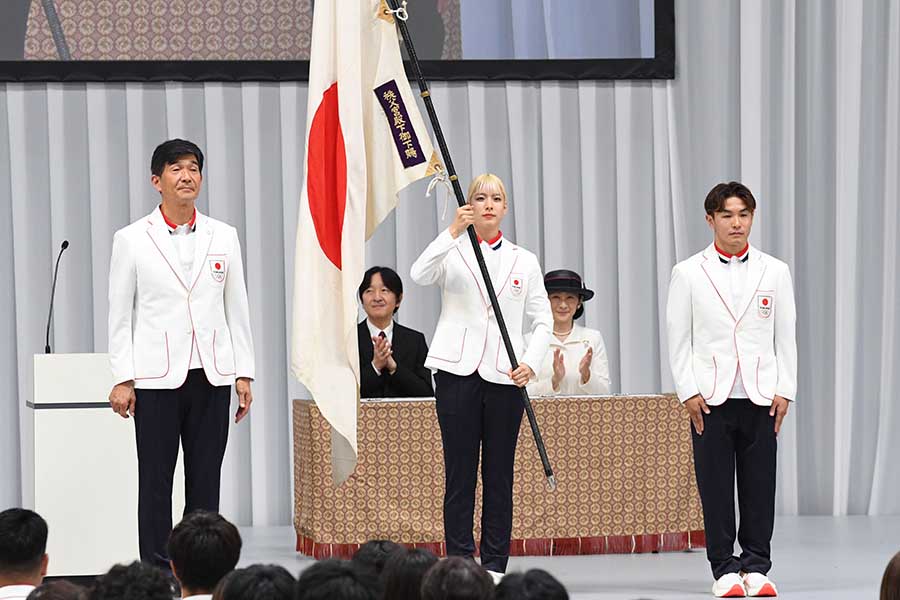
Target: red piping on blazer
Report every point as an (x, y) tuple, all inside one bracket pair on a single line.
[(168, 362), (215, 362)]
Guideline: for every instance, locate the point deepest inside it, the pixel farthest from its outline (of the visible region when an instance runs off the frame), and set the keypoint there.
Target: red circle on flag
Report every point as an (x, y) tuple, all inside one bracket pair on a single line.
[(765, 301), (326, 179), (515, 282), (218, 266)]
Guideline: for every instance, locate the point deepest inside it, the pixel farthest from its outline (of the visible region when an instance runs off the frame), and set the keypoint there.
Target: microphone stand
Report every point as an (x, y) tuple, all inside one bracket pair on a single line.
[(62, 249)]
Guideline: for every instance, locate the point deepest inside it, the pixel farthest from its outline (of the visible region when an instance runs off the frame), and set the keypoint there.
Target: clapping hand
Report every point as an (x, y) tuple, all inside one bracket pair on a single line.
[(584, 367), (559, 369), (383, 357)]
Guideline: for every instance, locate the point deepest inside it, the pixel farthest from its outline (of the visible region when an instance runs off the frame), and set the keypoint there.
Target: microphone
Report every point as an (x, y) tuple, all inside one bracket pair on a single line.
[(62, 249)]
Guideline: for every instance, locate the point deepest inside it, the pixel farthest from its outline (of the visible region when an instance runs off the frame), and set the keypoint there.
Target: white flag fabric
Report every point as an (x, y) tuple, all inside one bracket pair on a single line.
[(365, 141)]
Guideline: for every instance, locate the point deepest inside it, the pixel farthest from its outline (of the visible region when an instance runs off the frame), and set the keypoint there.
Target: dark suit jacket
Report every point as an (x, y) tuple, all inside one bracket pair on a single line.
[(410, 380)]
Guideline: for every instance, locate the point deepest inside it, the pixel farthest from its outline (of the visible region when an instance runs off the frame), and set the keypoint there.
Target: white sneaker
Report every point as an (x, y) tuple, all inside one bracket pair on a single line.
[(729, 585), (759, 586), (496, 576)]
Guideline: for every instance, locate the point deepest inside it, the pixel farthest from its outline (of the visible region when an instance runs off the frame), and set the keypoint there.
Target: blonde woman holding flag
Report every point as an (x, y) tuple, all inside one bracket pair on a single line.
[(478, 406)]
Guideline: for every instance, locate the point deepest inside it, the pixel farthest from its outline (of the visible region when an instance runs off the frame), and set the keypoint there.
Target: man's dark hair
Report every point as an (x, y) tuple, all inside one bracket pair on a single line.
[(256, 582), (534, 584), (204, 547), (457, 578), (23, 541), (404, 571), (58, 590), (890, 581), (374, 554), (337, 580), (390, 278), (170, 151), (137, 581), (715, 199)]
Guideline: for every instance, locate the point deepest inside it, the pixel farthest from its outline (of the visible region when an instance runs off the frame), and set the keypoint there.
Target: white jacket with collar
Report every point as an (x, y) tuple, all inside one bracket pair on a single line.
[(708, 340), (573, 349), (155, 314), (467, 337)]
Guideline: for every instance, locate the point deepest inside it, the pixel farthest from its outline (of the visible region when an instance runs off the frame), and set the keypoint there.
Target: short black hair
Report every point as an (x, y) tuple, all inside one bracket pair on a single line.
[(256, 582), (137, 581), (23, 541), (890, 581), (403, 573), (534, 584), (170, 151), (715, 199), (391, 281), (374, 554), (337, 580), (58, 590), (457, 578), (204, 547)]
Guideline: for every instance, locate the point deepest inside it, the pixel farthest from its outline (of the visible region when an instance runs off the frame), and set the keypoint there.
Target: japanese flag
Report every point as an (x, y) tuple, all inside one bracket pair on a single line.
[(365, 141)]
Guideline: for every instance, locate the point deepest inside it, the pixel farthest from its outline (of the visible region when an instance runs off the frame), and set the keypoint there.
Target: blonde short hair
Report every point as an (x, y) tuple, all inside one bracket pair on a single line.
[(486, 180)]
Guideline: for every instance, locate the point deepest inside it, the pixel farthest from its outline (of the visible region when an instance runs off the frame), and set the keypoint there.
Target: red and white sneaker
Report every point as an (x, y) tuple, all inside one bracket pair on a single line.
[(759, 586), (729, 585)]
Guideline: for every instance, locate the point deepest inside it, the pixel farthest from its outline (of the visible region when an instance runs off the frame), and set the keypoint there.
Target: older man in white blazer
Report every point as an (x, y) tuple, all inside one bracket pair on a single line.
[(478, 405), (733, 352), (179, 338)]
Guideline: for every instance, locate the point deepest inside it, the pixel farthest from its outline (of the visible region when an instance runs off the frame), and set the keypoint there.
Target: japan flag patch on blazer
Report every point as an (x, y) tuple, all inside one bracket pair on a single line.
[(764, 305), (217, 269), (516, 285)]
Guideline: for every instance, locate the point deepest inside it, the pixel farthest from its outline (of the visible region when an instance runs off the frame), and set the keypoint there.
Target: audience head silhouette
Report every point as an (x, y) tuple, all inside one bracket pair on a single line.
[(257, 582), (457, 578), (23, 547), (203, 548), (337, 580)]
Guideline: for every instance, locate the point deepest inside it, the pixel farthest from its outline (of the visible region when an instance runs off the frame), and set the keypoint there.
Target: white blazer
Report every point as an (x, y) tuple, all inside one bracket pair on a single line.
[(467, 337), (573, 349), (155, 316), (707, 340)]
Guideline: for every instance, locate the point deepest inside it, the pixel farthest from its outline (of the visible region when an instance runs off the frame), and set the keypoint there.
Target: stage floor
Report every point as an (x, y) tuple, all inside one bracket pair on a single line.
[(821, 558)]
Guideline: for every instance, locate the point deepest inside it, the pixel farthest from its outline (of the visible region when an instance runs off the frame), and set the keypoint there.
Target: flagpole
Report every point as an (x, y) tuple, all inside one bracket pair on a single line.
[(461, 200)]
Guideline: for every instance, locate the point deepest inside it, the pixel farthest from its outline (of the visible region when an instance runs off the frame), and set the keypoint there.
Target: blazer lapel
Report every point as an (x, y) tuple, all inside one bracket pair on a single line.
[(162, 239), (508, 261), (468, 256), (401, 346), (755, 271), (366, 351), (717, 277), (204, 234)]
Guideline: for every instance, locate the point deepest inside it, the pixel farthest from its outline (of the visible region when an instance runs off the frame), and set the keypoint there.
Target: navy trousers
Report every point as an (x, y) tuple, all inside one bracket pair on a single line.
[(478, 417), (196, 415)]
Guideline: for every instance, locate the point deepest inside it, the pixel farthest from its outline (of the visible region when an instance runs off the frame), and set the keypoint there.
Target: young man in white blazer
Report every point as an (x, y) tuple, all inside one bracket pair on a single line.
[(733, 353), (478, 405), (179, 338)]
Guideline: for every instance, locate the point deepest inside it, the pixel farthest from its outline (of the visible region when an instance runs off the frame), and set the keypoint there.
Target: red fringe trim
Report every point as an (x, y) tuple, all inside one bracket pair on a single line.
[(612, 544)]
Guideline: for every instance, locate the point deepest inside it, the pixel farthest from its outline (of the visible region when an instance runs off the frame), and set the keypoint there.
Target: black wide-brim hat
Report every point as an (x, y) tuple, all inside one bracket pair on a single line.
[(563, 280)]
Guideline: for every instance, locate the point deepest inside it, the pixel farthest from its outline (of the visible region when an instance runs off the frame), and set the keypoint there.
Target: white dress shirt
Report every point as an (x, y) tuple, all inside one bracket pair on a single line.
[(573, 350), (15, 592), (199, 597), (185, 244), (375, 332), (736, 267)]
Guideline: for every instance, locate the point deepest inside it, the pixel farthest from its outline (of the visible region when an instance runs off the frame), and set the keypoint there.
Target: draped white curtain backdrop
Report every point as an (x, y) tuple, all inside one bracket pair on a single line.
[(800, 99)]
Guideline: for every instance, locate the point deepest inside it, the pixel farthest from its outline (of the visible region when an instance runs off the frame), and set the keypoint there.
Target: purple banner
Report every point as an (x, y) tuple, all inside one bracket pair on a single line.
[(398, 121)]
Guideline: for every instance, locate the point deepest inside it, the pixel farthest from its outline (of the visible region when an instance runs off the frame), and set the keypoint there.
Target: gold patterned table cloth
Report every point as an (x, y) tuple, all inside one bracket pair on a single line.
[(623, 465)]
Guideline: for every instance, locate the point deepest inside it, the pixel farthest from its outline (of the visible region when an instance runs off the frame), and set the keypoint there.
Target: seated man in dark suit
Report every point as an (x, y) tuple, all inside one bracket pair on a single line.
[(391, 356)]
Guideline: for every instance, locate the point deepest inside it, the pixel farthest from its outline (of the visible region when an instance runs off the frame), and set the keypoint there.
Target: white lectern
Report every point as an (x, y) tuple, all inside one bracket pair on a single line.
[(84, 465)]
